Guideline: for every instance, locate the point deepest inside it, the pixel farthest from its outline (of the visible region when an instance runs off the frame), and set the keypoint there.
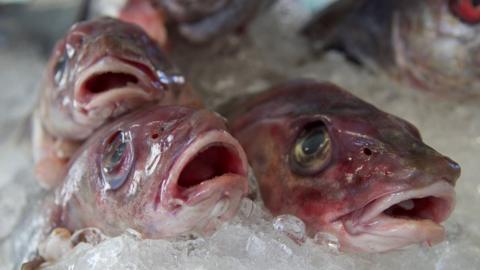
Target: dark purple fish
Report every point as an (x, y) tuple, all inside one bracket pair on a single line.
[(164, 172), (197, 20), (101, 69), (345, 167), (433, 45)]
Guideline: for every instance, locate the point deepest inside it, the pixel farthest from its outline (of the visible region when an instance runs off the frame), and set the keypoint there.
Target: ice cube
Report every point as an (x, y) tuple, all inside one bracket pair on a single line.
[(327, 240), (290, 225)]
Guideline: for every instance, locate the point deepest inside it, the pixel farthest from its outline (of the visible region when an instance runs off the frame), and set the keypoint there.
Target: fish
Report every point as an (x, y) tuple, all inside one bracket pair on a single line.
[(197, 21), (163, 171), (149, 16), (101, 69), (431, 45), (344, 167)]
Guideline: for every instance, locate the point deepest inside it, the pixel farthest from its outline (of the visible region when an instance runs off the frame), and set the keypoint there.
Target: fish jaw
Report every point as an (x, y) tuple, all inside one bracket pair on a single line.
[(206, 184), (397, 220), (111, 87)]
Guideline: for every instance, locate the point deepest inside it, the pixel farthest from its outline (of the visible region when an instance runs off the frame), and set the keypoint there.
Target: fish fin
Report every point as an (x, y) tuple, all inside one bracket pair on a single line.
[(361, 29)]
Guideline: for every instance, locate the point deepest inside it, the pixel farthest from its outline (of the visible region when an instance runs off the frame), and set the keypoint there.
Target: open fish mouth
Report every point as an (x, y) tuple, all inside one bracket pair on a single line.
[(400, 219), (112, 86), (203, 188), (213, 162), (207, 182)]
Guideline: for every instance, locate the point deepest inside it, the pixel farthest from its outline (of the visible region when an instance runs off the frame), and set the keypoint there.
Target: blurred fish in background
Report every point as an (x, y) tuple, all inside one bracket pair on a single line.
[(430, 45)]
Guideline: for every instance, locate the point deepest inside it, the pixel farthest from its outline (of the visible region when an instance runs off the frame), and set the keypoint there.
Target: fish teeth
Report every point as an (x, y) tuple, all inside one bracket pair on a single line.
[(407, 205)]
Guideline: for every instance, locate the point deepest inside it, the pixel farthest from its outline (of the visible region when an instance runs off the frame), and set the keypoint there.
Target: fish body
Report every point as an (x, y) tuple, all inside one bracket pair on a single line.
[(433, 45), (345, 167), (100, 70)]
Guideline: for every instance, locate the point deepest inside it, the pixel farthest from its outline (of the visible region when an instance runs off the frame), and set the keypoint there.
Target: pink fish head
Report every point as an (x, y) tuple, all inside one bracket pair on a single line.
[(163, 171), (345, 167)]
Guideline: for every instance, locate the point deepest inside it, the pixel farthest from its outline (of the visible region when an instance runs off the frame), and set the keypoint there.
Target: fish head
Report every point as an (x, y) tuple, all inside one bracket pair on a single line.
[(100, 70), (437, 45), (164, 172), (345, 167)]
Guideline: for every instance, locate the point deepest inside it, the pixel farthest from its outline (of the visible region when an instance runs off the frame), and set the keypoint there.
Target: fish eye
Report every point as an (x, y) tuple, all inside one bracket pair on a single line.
[(59, 69), (117, 160), (466, 10), (312, 149)]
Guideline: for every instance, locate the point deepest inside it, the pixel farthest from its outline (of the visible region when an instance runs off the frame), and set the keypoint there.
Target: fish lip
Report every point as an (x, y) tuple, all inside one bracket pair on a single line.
[(222, 185), (110, 102), (441, 190), (371, 220)]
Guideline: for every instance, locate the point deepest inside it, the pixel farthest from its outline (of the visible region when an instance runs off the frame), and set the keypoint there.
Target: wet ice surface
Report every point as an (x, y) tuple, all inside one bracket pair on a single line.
[(252, 242), (232, 67)]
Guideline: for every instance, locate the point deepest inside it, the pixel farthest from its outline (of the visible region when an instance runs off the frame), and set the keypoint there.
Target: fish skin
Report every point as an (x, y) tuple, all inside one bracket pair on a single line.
[(147, 15), (424, 44), (135, 72), (373, 154), (157, 197)]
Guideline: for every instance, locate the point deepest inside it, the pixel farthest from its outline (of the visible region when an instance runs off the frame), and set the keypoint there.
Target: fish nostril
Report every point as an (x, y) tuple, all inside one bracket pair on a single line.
[(367, 151)]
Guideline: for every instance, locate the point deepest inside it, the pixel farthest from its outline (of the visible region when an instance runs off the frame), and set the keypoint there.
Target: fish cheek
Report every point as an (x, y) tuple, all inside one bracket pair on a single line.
[(264, 145)]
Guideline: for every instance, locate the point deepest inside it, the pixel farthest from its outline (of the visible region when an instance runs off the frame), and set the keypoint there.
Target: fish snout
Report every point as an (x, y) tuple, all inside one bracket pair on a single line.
[(434, 164), (109, 43), (450, 170)]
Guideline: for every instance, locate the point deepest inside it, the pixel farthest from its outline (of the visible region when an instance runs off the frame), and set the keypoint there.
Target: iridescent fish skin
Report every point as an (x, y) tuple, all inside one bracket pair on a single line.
[(197, 20), (163, 171), (433, 45), (101, 69), (339, 163)]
